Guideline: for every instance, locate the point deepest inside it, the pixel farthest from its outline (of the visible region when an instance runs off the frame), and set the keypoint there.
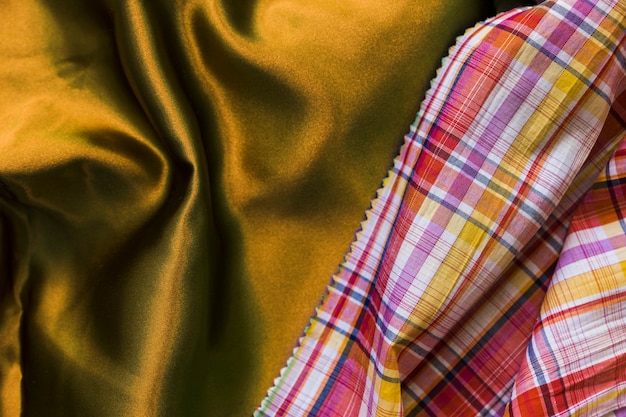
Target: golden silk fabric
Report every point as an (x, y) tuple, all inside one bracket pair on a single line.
[(178, 182)]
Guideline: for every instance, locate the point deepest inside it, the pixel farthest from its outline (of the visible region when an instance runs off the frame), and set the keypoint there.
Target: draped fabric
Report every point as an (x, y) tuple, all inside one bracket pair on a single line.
[(179, 179), (489, 277)]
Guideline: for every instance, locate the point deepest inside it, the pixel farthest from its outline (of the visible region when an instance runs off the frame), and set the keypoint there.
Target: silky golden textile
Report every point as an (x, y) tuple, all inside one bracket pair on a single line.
[(178, 182)]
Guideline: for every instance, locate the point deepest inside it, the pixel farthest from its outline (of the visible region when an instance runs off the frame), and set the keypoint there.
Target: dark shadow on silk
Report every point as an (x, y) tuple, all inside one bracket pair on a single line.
[(7, 265), (67, 394), (240, 13)]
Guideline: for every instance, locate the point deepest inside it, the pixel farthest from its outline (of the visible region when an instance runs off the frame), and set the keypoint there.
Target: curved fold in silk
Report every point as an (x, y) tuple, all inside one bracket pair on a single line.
[(490, 275), (178, 180)]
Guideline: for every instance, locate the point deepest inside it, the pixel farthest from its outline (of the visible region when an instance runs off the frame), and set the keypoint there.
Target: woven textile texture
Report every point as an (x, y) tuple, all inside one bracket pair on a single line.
[(179, 179), (489, 277)]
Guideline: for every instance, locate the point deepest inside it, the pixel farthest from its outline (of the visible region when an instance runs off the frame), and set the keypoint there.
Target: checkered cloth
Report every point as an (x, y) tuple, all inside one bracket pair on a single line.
[(489, 277)]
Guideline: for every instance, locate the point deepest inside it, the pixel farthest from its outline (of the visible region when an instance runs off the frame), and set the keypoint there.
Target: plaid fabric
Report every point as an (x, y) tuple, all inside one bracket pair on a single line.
[(489, 277)]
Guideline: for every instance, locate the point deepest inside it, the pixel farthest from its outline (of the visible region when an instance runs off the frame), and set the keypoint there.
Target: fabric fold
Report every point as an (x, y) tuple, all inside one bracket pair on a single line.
[(179, 180), (433, 309)]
